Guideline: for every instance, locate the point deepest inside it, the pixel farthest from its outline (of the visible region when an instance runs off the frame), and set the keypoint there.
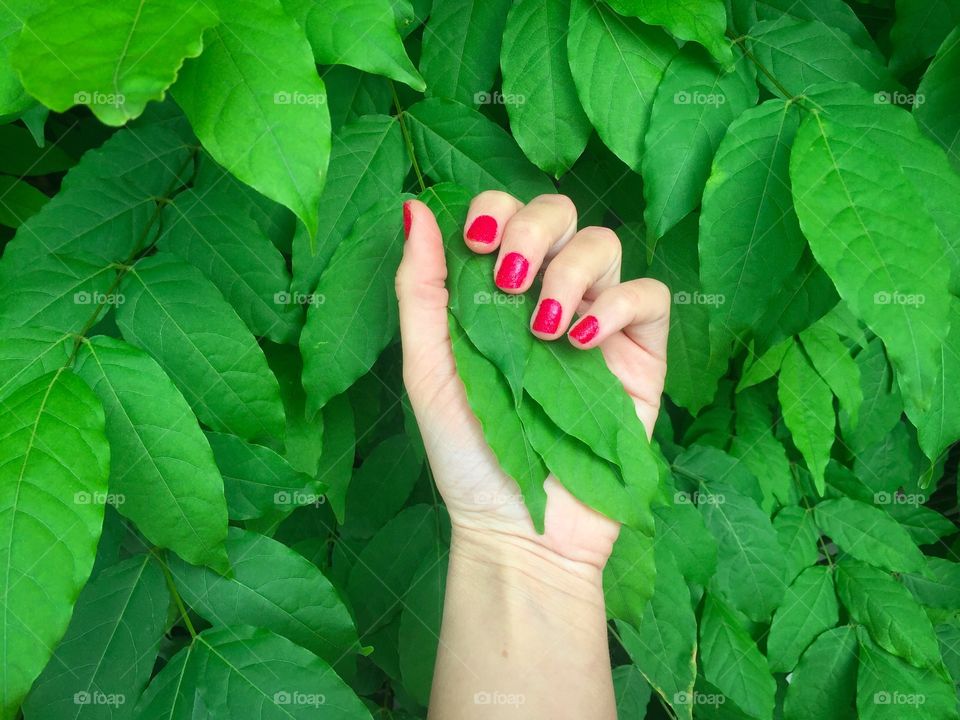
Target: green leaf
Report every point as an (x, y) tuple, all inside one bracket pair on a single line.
[(352, 94), (274, 587), (732, 662), (895, 621), (632, 692), (335, 466), (23, 158), (121, 56), (938, 113), (750, 563), (226, 672), (541, 99), (797, 534), (258, 482), (939, 427), (118, 622), (804, 53), (703, 21), (629, 576), (107, 205), (808, 608), (756, 445), (252, 110), (163, 472), (834, 13), (29, 353), (807, 406), (492, 402), (681, 529), (381, 485), (368, 162), (868, 534), (691, 382), (209, 232), (750, 239), (857, 230), (420, 625), (13, 98), (939, 586), (53, 480), (691, 112), (824, 683), (617, 64), (387, 564), (925, 526), (182, 320), (461, 48), (454, 143), (664, 646), (594, 481), (882, 404), (360, 33), (19, 201), (354, 315), (920, 27), (832, 360), (890, 689)]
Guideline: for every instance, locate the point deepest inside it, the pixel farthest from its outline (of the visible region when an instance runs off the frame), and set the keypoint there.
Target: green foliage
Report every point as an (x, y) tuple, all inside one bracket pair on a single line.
[(199, 230)]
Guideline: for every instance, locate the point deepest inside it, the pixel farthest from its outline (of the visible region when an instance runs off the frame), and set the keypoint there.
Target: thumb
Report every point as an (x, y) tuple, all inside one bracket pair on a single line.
[(422, 297)]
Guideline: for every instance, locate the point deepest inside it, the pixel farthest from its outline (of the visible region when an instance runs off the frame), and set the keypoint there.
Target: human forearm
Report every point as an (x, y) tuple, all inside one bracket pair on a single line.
[(523, 634)]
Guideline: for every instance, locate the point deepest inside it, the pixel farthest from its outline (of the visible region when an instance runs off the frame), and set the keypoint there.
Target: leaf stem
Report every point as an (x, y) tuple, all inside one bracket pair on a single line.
[(172, 586), (789, 96), (407, 140)]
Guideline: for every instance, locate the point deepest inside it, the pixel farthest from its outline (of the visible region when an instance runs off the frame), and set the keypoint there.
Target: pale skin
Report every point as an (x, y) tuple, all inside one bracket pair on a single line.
[(524, 626)]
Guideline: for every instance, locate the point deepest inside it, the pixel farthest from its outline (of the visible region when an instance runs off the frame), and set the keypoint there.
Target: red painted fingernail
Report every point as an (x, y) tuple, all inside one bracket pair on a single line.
[(407, 220), (513, 271), (548, 316), (483, 230), (585, 330)]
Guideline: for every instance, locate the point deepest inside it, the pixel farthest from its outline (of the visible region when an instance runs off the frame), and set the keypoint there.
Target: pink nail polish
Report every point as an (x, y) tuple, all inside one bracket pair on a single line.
[(483, 230), (407, 220), (585, 330), (548, 316), (513, 271)]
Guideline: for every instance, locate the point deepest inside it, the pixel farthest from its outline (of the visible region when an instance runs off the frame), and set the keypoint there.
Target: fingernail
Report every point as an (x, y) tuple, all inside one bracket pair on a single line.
[(513, 271), (483, 230), (585, 330), (548, 316), (407, 220)]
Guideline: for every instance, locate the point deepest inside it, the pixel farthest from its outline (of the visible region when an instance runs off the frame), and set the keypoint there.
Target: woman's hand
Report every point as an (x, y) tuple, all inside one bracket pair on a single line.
[(582, 301)]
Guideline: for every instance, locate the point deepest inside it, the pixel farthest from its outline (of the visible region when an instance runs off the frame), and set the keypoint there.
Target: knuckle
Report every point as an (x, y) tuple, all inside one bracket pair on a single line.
[(564, 272), (603, 237), (523, 230), (493, 197), (561, 202), (659, 292)]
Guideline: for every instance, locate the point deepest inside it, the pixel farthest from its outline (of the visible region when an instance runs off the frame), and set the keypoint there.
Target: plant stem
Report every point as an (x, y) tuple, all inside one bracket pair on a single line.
[(408, 141), (176, 595)]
